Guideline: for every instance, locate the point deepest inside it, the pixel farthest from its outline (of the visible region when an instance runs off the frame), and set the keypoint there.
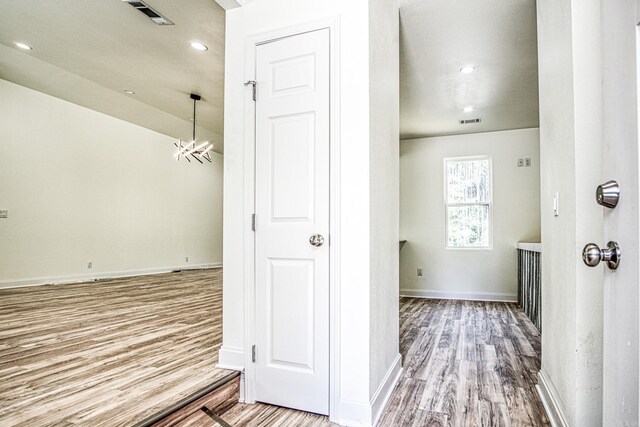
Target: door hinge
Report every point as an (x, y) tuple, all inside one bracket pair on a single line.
[(253, 222), (253, 353), (253, 86)]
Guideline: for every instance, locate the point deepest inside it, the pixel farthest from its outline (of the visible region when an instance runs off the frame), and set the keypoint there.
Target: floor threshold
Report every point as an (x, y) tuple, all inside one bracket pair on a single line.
[(160, 415)]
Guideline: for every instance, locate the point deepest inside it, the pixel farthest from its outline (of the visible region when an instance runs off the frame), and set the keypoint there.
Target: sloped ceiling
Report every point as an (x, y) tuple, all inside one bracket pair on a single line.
[(90, 51)]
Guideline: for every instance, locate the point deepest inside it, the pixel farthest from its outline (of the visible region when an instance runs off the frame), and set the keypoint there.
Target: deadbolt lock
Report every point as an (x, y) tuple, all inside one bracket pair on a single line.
[(608, 194)]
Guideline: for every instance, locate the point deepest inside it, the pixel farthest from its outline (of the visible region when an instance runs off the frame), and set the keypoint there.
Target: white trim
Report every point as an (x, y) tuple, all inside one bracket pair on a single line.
[(334, 221), (354, 413), (549, 397), (230, 358), (333, 24), (358, 413), (472, 296), (79, 278), (533, 247), (228, 4), (381, 397)]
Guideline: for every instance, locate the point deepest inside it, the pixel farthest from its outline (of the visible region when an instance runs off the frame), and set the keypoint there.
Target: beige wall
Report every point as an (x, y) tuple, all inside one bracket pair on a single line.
[(82, 186), (474, 274)]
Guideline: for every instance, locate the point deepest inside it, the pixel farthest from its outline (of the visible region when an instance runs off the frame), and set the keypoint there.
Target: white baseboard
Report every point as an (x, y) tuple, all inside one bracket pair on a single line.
[(471, 296), (366, 414), (63, 280), (549, 397), (381, 397), (354, 413), (231, 358)]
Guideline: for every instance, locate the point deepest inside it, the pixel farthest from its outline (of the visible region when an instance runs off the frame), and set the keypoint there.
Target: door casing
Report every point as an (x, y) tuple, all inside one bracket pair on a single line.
[(334, 201)]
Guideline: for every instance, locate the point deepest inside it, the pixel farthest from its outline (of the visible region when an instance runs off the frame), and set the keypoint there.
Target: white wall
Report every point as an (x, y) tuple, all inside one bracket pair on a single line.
[(490, 274), (81, 186), (353, 241), (569, 64), (384, 87)]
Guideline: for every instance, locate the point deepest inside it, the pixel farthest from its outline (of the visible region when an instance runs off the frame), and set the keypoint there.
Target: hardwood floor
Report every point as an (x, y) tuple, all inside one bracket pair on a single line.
[(107, 353), (466, 363), (114, 352)]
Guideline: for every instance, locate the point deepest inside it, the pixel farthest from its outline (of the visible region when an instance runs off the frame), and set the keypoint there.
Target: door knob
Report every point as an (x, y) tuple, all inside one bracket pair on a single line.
[(592, 255), (316, 240)]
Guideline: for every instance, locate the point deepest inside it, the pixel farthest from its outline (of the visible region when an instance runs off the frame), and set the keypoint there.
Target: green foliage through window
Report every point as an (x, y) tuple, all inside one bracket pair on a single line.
[(468, 202)]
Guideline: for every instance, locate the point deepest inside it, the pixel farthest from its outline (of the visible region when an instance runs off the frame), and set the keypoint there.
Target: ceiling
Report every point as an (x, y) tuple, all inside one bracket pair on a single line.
[(89, 52), (438, 37)]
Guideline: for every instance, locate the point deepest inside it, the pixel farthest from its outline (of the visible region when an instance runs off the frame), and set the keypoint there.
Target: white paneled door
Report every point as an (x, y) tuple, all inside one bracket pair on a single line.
[(292, 222)]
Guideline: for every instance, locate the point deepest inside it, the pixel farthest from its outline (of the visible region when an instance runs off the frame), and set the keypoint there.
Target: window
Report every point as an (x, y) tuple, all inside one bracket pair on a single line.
[(468, 202)]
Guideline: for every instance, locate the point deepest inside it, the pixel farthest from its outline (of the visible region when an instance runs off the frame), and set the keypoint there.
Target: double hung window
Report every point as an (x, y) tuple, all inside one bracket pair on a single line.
[(468, 199)]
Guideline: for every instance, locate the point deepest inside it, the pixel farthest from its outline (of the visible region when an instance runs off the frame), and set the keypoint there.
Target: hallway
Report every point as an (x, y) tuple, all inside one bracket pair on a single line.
[(466, 363)]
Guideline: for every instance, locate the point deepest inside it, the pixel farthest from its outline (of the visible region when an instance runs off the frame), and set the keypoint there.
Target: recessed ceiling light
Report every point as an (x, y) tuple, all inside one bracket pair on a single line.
[(129, 92), (198, 46), (23, 46), (468, 109), (467, 69)]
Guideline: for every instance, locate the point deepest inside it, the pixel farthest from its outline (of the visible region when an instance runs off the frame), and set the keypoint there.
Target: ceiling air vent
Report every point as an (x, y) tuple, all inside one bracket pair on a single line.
[(469, 121), (149, 13)]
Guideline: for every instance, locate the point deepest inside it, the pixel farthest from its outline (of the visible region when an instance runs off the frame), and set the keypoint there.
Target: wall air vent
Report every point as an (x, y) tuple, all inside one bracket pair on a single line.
[(469, 121), (149, 13)]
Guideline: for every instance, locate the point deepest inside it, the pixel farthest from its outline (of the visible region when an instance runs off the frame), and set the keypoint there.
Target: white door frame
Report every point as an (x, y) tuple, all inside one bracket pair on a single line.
[(334, 200)]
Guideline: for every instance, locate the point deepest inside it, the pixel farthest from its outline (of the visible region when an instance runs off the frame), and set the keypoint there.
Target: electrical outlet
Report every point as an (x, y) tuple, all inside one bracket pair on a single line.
[(90, 264), (186, 259), (520, 163), (419, 271), (527, 162), (4, 213)]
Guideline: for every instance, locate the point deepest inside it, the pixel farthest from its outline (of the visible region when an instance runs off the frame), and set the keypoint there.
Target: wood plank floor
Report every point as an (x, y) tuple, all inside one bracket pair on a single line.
[(466, 363), (107, 353)]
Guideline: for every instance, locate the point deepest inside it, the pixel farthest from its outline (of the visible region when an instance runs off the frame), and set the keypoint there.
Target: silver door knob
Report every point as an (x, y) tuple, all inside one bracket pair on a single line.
[(316, 240), (592, 255)]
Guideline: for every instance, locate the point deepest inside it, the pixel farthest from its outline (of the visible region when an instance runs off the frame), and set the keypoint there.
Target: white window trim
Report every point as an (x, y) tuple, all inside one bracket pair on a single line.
[(489, 247)]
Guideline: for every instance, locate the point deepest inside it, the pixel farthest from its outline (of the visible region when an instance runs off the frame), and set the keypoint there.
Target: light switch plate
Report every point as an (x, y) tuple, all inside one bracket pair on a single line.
[(527, 162), (4, 213), (520, 163)]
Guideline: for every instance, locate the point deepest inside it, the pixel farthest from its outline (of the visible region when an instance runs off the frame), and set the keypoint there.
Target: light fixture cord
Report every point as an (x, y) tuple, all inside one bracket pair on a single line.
[(194, 120)]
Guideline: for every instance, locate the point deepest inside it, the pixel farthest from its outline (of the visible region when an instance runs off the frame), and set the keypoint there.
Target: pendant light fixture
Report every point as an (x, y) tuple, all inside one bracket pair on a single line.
[(192, 149)]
